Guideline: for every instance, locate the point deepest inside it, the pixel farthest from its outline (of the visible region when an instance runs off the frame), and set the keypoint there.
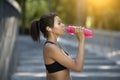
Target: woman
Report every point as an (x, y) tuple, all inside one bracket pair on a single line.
[(57, 62)]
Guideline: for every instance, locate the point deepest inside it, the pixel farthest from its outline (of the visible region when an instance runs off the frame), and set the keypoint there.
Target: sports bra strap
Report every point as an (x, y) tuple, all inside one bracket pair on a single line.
[(56, 44), (49, 42)]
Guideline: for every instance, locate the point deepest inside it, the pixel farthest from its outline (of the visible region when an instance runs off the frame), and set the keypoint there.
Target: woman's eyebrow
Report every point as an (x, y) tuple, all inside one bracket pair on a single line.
[(59, 20)]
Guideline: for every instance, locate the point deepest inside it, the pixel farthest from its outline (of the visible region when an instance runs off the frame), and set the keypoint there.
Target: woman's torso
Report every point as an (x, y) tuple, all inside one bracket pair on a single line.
[(60, 75), (56, 75)]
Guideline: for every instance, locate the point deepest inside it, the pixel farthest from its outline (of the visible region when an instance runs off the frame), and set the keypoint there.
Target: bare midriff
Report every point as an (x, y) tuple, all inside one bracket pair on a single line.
[(60, 75)]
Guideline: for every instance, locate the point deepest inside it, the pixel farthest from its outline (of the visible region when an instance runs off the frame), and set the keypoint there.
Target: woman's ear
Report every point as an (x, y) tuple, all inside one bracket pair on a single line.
[(48, 28)]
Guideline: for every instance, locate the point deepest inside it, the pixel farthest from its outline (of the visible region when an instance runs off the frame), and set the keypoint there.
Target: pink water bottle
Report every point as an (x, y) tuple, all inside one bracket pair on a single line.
[(87, 32)]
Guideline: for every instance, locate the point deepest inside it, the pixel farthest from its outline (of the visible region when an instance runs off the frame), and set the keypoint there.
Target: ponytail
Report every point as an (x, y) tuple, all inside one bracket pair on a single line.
[(35, 31), (40, 25)]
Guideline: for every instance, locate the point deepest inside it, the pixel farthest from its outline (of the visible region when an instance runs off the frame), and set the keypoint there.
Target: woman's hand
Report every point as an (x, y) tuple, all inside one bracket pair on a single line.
[(79, 32)]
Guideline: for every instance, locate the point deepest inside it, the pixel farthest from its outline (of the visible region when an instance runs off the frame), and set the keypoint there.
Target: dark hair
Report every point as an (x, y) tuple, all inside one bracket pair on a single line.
[(40, 25)]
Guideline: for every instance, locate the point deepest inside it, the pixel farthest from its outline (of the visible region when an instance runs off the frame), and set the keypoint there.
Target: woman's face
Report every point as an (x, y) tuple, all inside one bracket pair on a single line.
[(58, 28)]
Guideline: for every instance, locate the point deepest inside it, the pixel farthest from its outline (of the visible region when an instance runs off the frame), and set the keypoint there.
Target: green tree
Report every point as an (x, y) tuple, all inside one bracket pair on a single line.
[(23, 14), (106, 15), (35, 8), (31, 9), (65, 9)]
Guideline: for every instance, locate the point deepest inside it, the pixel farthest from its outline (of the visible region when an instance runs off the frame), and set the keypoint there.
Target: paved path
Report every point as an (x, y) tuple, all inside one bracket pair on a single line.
[(31, 65)]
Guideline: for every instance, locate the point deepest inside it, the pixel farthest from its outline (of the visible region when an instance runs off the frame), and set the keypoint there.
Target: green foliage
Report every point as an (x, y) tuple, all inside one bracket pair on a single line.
[(35, 8), (106, 16), (66, 9), (103, 16)]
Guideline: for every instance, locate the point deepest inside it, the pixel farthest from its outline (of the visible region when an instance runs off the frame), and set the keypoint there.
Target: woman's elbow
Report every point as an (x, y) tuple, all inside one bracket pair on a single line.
[(78, 69)]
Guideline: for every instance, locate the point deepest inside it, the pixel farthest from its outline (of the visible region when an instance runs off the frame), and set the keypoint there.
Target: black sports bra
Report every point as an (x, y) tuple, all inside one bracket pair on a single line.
[(54, 67)]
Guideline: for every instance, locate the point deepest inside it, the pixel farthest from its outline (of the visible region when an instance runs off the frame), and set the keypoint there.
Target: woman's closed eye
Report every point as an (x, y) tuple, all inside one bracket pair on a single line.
[(59, 23)]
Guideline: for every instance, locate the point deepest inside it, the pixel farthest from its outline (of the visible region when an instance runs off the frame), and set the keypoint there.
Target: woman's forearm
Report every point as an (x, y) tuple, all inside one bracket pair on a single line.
[(80, 56)]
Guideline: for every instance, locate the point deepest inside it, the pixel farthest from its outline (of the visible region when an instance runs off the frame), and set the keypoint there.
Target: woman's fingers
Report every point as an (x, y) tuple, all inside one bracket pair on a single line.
[(79, 33), (82, 28), (79, 29)]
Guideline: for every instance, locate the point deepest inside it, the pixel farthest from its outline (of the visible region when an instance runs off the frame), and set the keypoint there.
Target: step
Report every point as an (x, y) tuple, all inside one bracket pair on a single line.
[(87, 62), (94, 78), (30, 58), (99, 62), (101, 69), (28, 78), (95, 57), (31, 69), (74, 75), (95, 74), (93, 68), (95, 62), (35, 57), (39, 57), (89, 55), (73, 78)]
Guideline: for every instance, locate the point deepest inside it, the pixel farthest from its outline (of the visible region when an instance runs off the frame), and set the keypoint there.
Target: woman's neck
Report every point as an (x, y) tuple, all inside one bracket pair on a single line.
[(52, 38)]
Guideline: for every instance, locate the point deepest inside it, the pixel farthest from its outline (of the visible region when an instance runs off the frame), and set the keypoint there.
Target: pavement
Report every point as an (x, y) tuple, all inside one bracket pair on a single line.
[(30, 64)]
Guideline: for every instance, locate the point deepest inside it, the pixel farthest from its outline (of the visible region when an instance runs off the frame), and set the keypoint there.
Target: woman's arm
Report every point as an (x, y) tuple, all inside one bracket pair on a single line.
[(79, 60), (80, 55), (55, 53)]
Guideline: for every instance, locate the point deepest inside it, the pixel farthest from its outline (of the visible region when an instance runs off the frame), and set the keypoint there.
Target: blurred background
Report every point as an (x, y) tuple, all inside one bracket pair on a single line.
[(101, 16), (96, 14)]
